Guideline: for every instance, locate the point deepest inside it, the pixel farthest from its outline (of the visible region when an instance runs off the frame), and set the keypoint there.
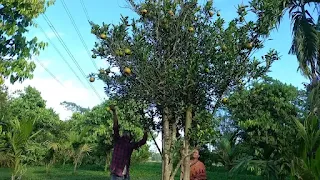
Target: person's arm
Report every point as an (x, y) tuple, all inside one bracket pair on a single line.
[(142, 141), (116, 134)]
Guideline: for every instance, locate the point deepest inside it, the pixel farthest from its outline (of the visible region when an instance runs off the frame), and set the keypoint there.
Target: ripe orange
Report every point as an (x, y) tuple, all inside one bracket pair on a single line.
[(171, 13), (92, 79), (225, 100), (190, 29), (103, 36), (144, 11), (127, 51), (211, 13), (127, 70), (249, 45)]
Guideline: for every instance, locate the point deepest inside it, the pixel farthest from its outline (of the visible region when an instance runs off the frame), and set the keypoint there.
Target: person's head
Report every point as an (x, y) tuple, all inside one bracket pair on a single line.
[(195, 154), (127, 134)]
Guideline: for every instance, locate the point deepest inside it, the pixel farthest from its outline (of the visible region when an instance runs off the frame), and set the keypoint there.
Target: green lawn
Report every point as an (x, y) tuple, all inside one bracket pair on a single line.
[(146, 171)]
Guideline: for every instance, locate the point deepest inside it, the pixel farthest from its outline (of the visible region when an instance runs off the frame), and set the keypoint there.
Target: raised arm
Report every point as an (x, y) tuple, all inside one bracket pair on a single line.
[(116, 134), (142, 141)]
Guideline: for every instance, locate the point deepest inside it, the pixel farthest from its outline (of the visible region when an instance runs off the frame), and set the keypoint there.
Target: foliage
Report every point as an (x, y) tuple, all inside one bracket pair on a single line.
[(50, 158), (98, 122), (29, 103), (307, 163), (305, 43), (264, 117), (15, 50), (18, 136), (74, 107), (178, 60), (227, 150)]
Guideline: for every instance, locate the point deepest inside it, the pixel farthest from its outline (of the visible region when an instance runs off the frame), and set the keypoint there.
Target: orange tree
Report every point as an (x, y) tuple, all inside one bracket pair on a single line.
[(180, 60)]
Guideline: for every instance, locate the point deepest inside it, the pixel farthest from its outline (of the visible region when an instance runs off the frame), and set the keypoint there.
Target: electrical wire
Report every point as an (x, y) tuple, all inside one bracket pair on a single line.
[(46, 69), (64, 59), (79, 34), (85, 10), (69, 53)]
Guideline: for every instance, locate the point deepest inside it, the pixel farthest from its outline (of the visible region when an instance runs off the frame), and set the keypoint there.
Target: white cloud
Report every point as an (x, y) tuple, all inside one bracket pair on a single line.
[(54, 93)]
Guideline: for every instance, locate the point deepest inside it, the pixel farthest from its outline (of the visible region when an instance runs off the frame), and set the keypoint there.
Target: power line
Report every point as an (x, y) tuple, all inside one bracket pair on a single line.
[(85, 10), (68, 51), (52, 75), (78, 32), (55, 47)]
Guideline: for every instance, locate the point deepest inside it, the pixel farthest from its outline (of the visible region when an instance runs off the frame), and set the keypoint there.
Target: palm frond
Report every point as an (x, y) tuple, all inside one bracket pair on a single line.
[(304, 43), (301, 130), (85, 148), (54, 146)]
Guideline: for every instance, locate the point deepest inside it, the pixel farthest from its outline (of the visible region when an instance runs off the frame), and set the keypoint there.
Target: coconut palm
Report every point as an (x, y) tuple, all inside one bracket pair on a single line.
[(305, 42), (18, 137), (50, 158), (79, 149)]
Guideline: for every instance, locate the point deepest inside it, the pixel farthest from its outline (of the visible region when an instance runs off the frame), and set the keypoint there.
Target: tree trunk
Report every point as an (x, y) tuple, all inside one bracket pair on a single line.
[(75, 165), (166, 143), (173, 140), (186, 145)]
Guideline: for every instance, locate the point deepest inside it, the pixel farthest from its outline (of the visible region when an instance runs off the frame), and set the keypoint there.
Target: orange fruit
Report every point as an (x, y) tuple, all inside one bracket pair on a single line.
[(127, 70), (103, 36), (92, 79)]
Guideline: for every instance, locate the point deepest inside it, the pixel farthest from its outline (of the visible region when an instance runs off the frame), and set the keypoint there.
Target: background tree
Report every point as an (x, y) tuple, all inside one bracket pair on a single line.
[(15, 50), (178, 61), (30, 104), (264, 117), (74, 107), (98, 122)]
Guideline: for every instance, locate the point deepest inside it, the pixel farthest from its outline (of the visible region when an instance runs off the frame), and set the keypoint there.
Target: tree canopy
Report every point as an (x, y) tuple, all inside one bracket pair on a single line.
[(15, 49)]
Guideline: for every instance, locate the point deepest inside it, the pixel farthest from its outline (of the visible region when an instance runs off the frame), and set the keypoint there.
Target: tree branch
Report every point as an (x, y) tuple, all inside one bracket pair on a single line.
[(180, 162), (154, 140)]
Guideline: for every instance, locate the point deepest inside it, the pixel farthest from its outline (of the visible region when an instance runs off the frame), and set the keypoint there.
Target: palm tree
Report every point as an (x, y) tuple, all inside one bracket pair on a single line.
[(305, 43), (78, 147), (50, 158), (18, 137), (307, 164)]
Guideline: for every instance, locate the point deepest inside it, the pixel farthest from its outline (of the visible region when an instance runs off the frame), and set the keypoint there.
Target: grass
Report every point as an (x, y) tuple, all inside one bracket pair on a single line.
[(146, 171)]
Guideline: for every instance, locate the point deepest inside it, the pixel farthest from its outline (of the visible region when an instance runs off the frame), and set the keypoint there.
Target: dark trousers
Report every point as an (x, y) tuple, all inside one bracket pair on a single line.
[(115, 177)]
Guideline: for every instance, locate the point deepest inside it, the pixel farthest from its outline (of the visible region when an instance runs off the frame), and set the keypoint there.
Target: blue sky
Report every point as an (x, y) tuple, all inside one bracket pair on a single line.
[(109, 11)]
